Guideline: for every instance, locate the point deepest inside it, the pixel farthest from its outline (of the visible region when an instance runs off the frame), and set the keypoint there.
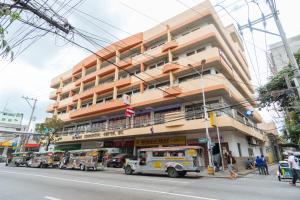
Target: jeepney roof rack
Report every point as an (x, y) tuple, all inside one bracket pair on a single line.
[(175, 148)]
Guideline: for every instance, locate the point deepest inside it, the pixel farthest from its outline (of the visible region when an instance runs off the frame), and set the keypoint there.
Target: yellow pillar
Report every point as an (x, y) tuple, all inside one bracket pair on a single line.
[(172, 79), (169, 37), (95, 98), (81, 87), (115, 93), (97, 80), (78, 104), (83, 71), (98, 65), (170, 56)]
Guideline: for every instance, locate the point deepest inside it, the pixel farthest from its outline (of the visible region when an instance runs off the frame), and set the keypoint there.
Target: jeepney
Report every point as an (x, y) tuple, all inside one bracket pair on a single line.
[(87, 159), (174, 161), (18, 159), (46, 159)]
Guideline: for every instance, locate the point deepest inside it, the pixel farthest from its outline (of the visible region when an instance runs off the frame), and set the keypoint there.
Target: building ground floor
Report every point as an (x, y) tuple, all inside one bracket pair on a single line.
[(241, 145)]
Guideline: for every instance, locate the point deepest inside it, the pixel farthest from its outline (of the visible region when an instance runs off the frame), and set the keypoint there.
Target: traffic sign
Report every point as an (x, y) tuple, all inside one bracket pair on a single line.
[(129, 112)]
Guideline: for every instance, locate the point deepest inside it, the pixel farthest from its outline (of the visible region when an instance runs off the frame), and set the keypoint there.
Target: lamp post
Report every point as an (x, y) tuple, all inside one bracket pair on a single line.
[(209, 150)]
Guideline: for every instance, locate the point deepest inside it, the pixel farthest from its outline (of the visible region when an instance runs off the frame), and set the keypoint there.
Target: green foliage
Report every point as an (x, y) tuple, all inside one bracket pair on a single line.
[(5, 49), (49, 129), (275, 91), (292, 123)]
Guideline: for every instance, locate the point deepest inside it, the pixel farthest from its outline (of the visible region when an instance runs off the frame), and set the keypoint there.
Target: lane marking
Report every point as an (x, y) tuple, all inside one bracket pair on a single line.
[(51, 198), (113, 186)]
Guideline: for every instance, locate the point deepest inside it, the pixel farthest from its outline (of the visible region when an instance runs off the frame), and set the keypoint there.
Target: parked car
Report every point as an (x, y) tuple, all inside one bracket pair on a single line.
[(175, 161), (83, 159), (18, 159), (118, 160), (46, 159)]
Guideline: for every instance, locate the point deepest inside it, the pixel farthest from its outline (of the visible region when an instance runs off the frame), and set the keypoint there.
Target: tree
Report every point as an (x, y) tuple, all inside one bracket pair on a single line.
[(49, 129), (276, 90), (6, 12)]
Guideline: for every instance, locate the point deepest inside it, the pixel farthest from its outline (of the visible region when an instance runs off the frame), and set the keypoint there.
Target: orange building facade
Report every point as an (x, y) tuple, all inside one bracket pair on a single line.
[(154, 70)]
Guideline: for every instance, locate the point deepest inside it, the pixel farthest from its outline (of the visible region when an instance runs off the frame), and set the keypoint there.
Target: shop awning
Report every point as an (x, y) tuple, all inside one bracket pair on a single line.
[(32, 145)]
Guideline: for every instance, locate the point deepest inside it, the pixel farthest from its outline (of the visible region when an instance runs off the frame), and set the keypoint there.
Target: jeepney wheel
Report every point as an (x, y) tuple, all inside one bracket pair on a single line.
[(128, 170), (172, 172), (17, 164), (82, 168), (182, 173)]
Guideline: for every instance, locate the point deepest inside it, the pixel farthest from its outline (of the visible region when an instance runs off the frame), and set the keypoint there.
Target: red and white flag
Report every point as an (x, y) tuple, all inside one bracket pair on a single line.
[(129, 112)]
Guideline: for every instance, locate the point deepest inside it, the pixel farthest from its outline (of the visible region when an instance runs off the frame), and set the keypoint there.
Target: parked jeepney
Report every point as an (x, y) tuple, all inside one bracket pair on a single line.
[(18, 159), (175, 161), (87, 159), (46, 159)]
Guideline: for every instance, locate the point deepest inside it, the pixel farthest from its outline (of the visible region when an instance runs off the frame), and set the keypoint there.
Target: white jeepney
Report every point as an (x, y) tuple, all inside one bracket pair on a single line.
[(175, 161)]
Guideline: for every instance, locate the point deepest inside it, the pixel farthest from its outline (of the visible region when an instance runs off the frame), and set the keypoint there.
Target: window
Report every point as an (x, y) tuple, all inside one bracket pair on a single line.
[(175, 58), (250, 151), (239, 149), (162, 85), (159, 154), (176, 153), (190, 53), (200, 49)]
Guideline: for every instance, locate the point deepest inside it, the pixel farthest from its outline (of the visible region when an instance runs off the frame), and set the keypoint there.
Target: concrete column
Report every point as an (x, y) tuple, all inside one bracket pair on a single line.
[(98, 65), (68, 109), (97, 80), (169, 36), (142, 87), (95, 99), (117, 56), (170, 56), (55, 111), (83, 71), (61, 83), (143, 48), (81, 87), (78, 104), (58, 97), (116, 73), (142, 67), (172, 79), (115, 93)]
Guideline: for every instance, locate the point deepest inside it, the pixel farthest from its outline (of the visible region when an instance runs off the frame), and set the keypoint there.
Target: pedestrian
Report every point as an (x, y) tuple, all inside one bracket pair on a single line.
[(249, 164), (259, 165), (230, 160), (294, 163), (265, 164)]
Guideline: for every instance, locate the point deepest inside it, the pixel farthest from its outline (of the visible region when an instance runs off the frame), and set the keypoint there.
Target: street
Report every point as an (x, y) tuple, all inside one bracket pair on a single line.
[(53, 184)]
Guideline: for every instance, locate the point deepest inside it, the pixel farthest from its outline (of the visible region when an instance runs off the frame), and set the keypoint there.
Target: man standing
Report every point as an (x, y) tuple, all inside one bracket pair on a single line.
[(294, 163), (259, 165), (265, 164)]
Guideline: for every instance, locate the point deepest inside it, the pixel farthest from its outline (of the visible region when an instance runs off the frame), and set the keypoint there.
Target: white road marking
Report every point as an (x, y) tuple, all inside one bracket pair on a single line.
[(51, 198), (113, 186), (161, 180)]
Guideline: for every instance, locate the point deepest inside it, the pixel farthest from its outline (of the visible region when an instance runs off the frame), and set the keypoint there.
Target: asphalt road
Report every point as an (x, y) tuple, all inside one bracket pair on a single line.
[(54, 184)]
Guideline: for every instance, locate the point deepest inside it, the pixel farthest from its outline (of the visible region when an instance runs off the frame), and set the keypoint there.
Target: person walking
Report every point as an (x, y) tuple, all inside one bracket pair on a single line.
[(231, 161), (265, 164), (294, 163), (259, 165)]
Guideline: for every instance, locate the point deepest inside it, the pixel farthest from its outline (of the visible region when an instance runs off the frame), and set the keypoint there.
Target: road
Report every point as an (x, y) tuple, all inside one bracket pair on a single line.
[(54, 184)]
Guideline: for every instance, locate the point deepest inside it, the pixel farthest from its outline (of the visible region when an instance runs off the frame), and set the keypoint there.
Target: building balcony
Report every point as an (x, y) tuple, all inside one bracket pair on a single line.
[(172, 91), (170, 67), (172, 123), (169, 45), (64, 76), (92, 76), (64, 117), (97, 108), (149, 74), (68, 87), (103, 88), (53, 95), (125, 63), (65, 102)]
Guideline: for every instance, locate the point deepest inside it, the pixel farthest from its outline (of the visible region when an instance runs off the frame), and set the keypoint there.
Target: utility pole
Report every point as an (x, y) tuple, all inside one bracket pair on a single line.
[(210, 160), (32, 106), (286, 45)]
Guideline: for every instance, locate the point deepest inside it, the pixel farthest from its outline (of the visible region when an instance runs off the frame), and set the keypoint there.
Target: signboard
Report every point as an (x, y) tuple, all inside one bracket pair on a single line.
[(126, 99), (166, 141), (129, 112), (11, 118), (202, 140)]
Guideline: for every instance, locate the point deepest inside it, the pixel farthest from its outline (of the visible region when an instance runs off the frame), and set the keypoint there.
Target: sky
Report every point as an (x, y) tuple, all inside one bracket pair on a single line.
[(30, 73)]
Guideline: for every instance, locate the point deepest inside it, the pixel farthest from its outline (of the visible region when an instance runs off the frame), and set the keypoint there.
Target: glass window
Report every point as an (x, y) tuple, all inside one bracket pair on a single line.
[(190, 53), (159, 154), (176, 153)]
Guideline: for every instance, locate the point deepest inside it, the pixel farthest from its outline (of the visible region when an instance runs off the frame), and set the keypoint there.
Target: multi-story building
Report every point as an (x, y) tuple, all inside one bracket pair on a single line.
[(279, 58), (156, 69)]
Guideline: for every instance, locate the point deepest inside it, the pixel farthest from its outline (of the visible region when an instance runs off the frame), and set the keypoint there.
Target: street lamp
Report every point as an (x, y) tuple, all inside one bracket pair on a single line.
[(205, 111)]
